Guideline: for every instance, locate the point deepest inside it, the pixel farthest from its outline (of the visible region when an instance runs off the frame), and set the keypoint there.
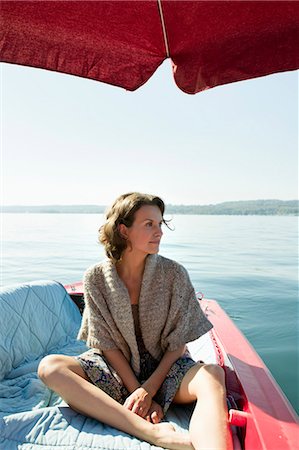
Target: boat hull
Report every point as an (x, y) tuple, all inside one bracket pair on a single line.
[(271, 423)]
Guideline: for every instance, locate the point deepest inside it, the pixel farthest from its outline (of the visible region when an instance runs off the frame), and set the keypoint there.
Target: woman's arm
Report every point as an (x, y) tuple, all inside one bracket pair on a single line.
[(139, 400), (121, 365), (154, 382)]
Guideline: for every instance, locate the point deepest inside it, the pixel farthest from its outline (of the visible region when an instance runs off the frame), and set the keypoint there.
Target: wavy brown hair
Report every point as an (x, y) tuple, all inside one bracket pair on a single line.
[(123, 211)]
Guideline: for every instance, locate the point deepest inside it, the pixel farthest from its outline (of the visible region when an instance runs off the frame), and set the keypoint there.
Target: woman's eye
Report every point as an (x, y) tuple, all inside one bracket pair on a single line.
[(149, 224)]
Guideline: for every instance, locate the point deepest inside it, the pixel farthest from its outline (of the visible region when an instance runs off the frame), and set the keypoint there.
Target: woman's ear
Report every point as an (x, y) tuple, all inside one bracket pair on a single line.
[(122, 229)]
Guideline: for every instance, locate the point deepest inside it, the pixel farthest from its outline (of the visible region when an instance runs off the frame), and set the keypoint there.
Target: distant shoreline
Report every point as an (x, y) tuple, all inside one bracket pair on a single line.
[(244, 208)]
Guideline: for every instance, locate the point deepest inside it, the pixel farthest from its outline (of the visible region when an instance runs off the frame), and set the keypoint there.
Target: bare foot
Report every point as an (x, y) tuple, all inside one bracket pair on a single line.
[(167, 437)]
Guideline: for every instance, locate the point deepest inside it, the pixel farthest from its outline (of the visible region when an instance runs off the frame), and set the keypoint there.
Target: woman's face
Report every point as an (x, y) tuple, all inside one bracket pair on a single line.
[(145, 233)]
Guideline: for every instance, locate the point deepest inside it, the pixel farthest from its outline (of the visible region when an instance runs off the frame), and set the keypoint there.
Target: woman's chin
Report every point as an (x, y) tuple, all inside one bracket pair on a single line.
[(154, 250)]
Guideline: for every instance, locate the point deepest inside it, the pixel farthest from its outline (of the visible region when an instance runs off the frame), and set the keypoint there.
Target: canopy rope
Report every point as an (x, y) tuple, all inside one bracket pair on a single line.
[(163, 28)]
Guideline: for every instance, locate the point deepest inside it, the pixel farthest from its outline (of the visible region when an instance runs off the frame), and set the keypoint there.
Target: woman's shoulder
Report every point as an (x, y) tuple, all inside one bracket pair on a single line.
[(172, 267), (97, 271), (177, 281)]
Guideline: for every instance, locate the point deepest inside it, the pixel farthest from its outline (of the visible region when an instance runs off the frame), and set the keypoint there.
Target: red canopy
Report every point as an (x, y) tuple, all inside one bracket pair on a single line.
[(123, 42)]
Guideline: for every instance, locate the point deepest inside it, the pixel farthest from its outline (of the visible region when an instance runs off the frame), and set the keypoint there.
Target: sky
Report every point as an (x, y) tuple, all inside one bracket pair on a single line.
[(68, 140)]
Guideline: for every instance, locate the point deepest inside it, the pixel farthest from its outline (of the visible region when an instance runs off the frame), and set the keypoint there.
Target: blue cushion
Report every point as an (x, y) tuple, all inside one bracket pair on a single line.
[(36, 319)]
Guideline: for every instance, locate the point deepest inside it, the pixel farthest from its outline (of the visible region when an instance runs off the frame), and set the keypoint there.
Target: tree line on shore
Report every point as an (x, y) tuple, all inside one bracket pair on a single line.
[(250, 207)]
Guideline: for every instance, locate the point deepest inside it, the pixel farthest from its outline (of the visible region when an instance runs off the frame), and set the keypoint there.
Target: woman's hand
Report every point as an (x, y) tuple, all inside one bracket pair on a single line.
[(155, 413), (139, 402)]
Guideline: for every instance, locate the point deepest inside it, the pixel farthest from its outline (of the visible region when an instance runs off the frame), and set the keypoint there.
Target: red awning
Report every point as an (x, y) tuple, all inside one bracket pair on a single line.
[(123, 42)]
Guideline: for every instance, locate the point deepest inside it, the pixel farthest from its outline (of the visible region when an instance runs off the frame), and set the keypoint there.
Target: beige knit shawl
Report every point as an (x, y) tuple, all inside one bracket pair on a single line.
[(169, 313)]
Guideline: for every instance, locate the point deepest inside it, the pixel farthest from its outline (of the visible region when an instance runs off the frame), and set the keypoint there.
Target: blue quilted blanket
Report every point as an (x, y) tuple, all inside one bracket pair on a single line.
[(37, 319)]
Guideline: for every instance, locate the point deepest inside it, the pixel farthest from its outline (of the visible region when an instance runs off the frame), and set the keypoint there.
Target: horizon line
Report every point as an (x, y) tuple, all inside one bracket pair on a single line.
[(166, 204)]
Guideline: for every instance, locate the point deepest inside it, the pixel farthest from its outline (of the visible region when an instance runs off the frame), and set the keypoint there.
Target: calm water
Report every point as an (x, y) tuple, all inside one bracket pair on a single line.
[(247, 263)]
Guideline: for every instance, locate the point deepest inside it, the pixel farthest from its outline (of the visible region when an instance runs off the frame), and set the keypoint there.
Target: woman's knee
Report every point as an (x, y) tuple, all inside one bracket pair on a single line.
[(50, 366), (215, 372), (209, 377)]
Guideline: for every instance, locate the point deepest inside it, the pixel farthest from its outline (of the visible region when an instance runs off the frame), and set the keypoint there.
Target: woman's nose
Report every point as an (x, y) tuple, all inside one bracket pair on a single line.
[(159, 231)]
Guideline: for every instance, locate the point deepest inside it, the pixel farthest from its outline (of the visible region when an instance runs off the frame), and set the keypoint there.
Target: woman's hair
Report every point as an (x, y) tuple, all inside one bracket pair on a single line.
[(123, 211)]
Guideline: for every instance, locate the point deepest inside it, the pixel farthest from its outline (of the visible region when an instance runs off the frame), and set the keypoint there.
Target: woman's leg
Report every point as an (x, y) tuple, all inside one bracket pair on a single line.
[(205, 384), (64, 375)]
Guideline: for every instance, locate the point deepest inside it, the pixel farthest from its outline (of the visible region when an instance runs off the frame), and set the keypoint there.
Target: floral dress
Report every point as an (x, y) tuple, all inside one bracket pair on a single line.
[(101, 374)]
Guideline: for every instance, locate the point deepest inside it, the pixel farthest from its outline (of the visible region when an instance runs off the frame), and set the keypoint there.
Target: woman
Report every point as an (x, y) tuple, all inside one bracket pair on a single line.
[(140, 312)]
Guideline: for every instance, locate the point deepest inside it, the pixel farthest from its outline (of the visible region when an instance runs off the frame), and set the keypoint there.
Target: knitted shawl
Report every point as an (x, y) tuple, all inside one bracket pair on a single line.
[(169, 312)]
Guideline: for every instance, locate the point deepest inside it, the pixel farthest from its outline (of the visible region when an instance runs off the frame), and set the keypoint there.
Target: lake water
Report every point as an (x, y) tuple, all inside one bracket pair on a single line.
[(247, 263)]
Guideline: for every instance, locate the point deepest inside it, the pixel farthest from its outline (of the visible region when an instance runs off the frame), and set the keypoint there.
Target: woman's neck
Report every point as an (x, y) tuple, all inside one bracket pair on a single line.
[(131, 266)]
